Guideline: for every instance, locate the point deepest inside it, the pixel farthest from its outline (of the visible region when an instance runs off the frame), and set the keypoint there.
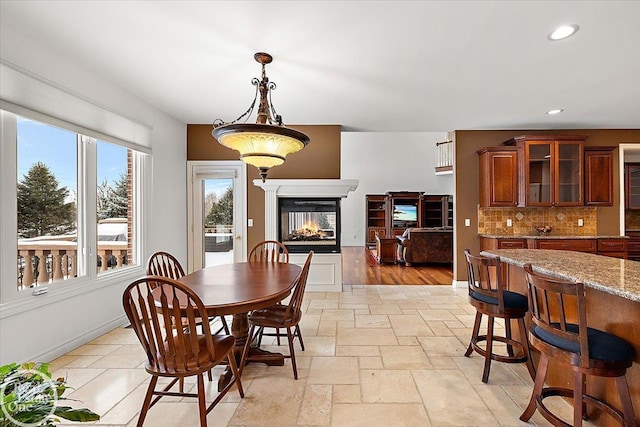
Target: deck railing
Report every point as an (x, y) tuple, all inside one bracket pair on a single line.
[(445, 157), (45, 261)]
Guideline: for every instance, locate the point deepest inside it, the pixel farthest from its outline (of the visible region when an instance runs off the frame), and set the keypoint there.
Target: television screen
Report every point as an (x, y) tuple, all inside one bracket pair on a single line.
[(405, 213)]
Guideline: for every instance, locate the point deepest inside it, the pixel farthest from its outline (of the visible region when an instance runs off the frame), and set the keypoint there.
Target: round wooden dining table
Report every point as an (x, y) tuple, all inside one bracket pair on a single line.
[(236, 289)]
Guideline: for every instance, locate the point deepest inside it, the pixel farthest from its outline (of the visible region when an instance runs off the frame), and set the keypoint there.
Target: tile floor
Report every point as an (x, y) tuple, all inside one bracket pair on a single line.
[(375, 356)]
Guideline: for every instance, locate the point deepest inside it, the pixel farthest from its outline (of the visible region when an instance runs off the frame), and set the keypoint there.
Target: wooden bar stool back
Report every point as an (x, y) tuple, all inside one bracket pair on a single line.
[(559, 331), (489, 296)]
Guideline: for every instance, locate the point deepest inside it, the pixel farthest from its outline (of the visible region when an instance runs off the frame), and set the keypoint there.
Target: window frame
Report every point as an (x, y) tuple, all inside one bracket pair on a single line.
[(13, 300)]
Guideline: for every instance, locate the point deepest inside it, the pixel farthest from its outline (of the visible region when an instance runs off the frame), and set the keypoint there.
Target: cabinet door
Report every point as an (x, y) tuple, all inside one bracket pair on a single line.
[(539, 172), (499, 178), (568, 173), (598, 172), (632, 185)]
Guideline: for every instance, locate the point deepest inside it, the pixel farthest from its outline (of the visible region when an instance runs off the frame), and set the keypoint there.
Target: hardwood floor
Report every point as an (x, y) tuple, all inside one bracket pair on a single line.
[(359, 268)]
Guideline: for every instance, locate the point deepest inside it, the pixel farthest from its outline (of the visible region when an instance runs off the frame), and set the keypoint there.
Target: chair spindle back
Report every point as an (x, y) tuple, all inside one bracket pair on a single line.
[(269, 251), (153, 305), (294, 307), (485, 277), (164, 264)]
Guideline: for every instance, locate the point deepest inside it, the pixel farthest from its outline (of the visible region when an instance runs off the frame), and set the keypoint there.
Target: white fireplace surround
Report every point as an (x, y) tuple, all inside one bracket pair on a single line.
[(325, 274)]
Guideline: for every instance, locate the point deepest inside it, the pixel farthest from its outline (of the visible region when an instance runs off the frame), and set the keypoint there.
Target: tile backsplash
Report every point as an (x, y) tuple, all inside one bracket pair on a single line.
[(632, 220), (563, 220)]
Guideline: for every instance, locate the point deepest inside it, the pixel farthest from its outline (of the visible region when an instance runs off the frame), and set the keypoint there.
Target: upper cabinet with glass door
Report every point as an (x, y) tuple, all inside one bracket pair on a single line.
[(551, 170)]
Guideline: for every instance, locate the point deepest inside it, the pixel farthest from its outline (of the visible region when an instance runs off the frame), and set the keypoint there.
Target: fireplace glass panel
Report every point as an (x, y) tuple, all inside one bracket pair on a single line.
[(310, 224)]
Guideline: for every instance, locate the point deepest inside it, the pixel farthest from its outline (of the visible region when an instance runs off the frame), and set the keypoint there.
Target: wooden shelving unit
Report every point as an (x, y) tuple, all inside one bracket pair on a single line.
[(431, 210)]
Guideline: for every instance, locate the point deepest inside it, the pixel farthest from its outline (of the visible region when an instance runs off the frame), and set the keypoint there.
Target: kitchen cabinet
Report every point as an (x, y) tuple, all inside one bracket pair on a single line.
[(579, 245), (498, 176), (632, 185), (489, 243), (616, 248), (598, 170), (550, 170)]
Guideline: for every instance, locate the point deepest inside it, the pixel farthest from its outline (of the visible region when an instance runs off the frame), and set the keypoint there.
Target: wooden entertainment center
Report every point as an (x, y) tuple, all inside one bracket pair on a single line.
[(389, 215)]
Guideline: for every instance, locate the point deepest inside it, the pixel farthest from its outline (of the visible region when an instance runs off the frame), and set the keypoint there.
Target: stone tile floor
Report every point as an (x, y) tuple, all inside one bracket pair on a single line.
[(375, 356)]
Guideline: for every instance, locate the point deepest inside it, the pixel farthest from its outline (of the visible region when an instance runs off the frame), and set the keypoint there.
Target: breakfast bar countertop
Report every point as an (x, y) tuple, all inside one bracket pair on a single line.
[(547, 236), (611, 275)]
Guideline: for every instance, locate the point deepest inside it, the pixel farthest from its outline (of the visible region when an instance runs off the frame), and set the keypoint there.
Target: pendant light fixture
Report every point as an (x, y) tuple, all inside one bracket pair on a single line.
[(265, 143)]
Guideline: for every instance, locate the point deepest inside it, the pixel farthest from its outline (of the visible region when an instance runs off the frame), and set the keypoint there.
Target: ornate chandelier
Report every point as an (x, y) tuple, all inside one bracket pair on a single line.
[(267, 142)]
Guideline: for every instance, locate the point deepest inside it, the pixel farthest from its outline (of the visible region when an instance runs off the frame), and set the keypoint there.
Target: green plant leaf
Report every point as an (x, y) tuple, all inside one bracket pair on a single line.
[(82, 415)]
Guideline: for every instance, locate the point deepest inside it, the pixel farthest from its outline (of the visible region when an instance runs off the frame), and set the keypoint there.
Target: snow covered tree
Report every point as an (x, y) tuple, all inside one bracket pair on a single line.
[(42, 206)]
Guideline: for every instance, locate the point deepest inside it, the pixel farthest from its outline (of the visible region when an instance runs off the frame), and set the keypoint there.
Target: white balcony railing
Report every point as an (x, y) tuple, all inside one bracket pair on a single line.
[(44, 261), (445, 157)]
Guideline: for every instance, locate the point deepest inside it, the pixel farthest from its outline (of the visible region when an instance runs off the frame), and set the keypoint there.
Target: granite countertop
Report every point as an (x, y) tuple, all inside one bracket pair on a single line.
[(549, 237), (611, 275)]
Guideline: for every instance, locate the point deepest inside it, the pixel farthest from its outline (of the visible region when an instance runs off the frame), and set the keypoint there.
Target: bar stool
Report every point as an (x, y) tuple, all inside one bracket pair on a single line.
[(488, 294), (584, 350)]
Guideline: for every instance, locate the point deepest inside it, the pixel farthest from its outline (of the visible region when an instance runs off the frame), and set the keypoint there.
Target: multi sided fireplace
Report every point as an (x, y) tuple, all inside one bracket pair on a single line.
[(306, 224)]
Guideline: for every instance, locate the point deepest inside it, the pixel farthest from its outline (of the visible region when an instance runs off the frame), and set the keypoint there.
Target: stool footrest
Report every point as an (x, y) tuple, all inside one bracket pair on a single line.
[(499, 357), (565, 392)]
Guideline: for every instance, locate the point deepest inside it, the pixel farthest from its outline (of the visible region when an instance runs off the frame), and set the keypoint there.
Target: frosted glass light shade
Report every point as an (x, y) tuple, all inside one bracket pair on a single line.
[(260, 145)]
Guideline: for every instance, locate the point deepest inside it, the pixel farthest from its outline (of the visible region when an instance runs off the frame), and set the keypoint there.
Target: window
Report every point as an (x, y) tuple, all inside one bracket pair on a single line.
[(75, 216)]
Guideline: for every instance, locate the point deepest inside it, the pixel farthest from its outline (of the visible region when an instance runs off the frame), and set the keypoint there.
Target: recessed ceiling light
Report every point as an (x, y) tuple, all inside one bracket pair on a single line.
[(563, 32), (552, 112)]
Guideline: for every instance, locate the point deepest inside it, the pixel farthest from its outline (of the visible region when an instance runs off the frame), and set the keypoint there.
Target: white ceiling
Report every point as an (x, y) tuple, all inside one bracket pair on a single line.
[(367, 65)]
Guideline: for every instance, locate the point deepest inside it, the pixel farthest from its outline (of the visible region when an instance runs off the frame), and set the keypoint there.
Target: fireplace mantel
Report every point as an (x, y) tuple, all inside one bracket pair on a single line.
[(274, 188), (326, 269)]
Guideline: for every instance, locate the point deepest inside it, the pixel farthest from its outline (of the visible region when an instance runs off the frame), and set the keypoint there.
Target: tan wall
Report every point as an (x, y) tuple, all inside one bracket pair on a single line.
[(466, 181), (319, 160)]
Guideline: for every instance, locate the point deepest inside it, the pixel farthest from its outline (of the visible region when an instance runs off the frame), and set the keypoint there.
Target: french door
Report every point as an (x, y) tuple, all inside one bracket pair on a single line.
[(216, 209)]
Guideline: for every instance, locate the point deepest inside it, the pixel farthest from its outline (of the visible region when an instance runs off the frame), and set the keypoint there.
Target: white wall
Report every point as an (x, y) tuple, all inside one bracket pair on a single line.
[(402, 161), (52, 328)]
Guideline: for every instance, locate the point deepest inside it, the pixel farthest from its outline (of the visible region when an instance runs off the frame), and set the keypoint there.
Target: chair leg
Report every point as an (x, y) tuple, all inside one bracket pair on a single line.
[(202, 404), (147, 400), (260, 333), (625, 400), (543, 364), (507, 330), (225, 326), (474, 334), (291, 352), (524, 339), (236, 372), (578, 398), (245, 350), (488, 350), (278, 335), (299, 333)]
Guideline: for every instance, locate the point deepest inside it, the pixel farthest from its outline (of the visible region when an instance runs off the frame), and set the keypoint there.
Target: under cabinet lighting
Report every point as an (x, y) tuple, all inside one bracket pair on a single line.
[(563, 32), (552, 112)]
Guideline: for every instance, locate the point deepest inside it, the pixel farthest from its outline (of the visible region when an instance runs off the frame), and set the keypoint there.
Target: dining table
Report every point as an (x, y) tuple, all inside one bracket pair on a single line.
[(237, 289)]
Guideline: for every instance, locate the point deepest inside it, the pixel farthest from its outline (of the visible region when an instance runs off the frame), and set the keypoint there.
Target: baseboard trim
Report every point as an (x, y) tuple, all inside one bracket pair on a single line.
[(64, 348)]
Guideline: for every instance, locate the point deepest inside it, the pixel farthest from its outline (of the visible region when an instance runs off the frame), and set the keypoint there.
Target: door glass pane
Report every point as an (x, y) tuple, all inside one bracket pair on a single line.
[(114, 207), (539, 174), (218, 221), (47, 195), (569, 177)]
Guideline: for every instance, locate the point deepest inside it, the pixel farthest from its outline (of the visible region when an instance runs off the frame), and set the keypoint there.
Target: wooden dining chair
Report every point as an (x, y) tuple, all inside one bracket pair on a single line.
[(152, 305), (282, 316), (166, 265), (489, 296), (559, 330), (269, 251)]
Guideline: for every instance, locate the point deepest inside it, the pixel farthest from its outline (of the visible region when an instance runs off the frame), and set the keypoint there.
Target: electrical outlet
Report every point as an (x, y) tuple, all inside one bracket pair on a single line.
[(467, 222), (580, 222), (509, 223)]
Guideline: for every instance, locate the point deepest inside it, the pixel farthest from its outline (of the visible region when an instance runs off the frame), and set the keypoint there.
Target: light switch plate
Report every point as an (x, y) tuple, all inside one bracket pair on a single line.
[(467, 222)]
